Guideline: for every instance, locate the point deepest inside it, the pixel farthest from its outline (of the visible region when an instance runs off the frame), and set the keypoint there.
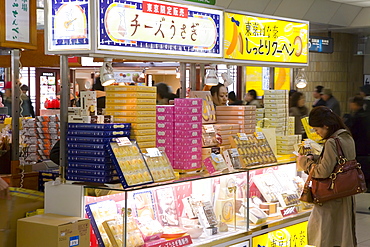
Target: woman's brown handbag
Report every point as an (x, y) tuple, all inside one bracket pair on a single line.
[(306, 195), (346, 179)]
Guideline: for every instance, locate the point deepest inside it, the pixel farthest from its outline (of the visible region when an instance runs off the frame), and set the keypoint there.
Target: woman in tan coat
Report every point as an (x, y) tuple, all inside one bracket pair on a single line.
[(331, 223)]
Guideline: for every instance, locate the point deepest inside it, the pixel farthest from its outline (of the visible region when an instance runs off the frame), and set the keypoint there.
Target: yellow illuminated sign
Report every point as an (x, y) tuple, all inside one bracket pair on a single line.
[(282, 79), (254, 80), (295, 235), (263, 39)]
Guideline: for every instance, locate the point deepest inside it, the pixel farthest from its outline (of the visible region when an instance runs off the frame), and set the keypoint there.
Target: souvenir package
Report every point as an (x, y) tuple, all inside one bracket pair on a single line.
[(98, 213), (129, 163), (277, 110), (209, 136), (150, 229), (115, 230), (269, 186), (159, 165), (166, 129), (167, 206), (244, 116), (232, 155), (208, 108), (130, 89), (253, 149)]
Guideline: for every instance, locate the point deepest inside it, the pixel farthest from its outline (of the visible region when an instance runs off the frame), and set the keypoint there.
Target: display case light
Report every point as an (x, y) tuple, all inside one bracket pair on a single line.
[(300, 80), (211, 78), (106, 73)]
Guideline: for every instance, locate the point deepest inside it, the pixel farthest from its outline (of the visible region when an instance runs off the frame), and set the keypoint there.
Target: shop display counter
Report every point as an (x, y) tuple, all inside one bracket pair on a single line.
[(197, 209)]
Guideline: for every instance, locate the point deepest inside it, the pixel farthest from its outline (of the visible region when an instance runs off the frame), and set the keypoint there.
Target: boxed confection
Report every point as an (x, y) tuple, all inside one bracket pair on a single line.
[(130, 101), (138, 95), (130, 107), (130, 88), (53, 230), (132, 113), (235, 117), (208, 108)]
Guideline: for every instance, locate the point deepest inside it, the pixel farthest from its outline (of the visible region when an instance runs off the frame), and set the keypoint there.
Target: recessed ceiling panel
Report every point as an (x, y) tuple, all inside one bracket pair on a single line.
[(321, 11), (254, 6), (293, 8), (345, 15)]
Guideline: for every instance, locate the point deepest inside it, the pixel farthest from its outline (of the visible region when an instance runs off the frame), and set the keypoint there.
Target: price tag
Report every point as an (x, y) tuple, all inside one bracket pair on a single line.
[(153, 152), (259, 135), (243, 136), (209, 128), (123, 141), (234, 152)]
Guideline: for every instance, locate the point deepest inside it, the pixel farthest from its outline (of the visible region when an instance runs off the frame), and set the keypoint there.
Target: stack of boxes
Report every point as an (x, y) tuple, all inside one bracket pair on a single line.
[(47, 134), (188, 134), (285, 144), (166, 129), (88, 157), (28, 135), (225, 131), (245, 116), (260, 114), (135, 105), (276, 109)]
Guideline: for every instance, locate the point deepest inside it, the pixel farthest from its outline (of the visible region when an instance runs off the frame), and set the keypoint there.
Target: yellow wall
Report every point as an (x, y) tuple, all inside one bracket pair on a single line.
[(170, 80)]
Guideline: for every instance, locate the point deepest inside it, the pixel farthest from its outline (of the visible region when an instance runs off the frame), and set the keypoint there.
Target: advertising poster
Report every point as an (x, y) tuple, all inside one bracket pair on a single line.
[(17, 20), (262, 39), (159, 27), (295, 235), (68, 25), (282, 79)]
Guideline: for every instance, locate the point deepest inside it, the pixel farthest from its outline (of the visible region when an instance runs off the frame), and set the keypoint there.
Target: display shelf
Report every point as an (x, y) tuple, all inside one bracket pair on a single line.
[(219, 204)]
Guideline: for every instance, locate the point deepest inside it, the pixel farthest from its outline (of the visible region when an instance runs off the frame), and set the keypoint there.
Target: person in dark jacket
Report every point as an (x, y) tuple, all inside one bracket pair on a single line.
[(54, 153), (233, 100), (317, 95), (359, 125), (330, 101)]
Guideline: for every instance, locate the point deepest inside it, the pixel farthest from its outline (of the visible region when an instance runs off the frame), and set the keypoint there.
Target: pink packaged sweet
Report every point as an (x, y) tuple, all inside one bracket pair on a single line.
[(188, 109), (165, 109), (187, 165), (187, 133), (187, 141), (188, 118), (188, 126), (192, 156), (165, 125), (188, 102), (165, 117), (165, 141), (187, 149), (164, 132)]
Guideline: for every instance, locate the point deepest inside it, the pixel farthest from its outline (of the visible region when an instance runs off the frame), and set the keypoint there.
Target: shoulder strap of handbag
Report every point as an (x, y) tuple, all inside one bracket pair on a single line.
[(309, 178), (339, 147)]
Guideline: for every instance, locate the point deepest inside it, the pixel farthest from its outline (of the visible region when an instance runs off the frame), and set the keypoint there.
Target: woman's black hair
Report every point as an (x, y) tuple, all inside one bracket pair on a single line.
[(216, 89), (321, 116), (253, 93), (232, 96), (97, 84), (295, 98)]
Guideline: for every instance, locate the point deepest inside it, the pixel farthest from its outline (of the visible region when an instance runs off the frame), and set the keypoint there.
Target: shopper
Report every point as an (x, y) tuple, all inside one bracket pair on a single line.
[(163, 94), (317, 95), (359, 124), (331, 223), (219, 94), (233, 100), (330, 101), (27, 109), (298, 110), (100, 94), (251, 98), (7, 97), (365, 93)]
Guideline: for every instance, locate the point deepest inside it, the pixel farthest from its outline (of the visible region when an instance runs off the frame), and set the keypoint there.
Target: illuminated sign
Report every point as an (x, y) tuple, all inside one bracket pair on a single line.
[(159, 27), (321, 44), (263, 39), (295, 235), (68, 25)]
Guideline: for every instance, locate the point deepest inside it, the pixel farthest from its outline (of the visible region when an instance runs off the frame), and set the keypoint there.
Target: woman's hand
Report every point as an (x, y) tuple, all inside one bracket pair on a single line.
[(3, 189)]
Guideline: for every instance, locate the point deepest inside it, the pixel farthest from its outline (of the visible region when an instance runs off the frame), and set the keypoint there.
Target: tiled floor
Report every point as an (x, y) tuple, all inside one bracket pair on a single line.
[(363, 220)]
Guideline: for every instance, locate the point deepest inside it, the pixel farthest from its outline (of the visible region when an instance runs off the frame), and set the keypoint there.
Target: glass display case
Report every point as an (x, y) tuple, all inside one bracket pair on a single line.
[(195, 209)]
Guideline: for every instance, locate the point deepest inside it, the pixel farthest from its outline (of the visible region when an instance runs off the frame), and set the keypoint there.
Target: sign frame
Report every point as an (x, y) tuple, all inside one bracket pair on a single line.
[(264, 63), (32, 44)]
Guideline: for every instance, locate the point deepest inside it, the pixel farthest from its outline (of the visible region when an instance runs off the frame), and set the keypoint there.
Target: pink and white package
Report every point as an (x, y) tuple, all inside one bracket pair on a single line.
[(188, 133), (182, 118), (165, 125), (165, 117), (187, 165), (188, 126), (188, 109), (165, 109), (188, 102)]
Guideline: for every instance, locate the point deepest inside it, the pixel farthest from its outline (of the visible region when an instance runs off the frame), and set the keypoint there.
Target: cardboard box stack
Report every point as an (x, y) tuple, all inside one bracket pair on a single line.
[(166, 129), (285, 144), (245, 116), (260, 114), (291, 126), (88, 157), (28, 137), (188, 134), (224, 131), (276, 109), (135, 105), (47, 134)]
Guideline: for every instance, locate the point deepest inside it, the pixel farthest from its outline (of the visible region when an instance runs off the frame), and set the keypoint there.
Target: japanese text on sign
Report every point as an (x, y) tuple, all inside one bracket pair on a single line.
[(264, 39), (17, 20), (154, 26)]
